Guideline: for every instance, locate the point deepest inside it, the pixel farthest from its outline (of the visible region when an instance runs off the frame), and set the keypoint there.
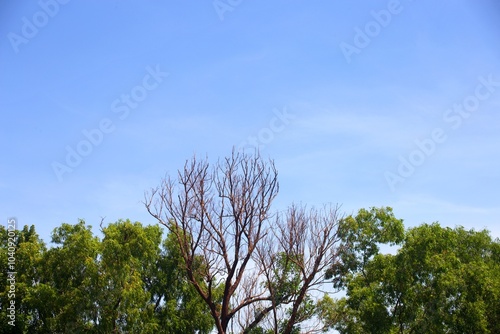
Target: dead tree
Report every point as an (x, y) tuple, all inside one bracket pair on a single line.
[(231, 242), (294, 260), (220, 214)]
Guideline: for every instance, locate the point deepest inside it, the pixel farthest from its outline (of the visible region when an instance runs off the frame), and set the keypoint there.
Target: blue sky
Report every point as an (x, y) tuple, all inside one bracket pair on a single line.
[(381, 103)]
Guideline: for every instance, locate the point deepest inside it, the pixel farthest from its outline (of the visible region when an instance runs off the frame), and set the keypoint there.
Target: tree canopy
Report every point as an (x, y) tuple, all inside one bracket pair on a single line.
[(440, 280), (127, 282), (230, 264)]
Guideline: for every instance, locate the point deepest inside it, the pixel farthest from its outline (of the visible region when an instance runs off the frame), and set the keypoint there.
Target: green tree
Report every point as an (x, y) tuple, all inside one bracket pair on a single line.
[(362, 235), (26, 248), (177, 306), (65, 296), (450, 282), (441, 280), (143, 286), (127, 252), (128, 282)]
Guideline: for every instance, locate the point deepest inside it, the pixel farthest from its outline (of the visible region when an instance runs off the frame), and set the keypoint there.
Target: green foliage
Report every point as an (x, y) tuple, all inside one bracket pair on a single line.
[(286, 279), (126, 251), (128, 282), (284, 285), (181, 302), (441, 280), (69, 280), (361, 236), (28, 258)]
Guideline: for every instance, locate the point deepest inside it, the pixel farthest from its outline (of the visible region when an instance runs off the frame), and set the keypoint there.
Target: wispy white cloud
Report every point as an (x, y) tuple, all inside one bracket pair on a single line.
[(417, 208)]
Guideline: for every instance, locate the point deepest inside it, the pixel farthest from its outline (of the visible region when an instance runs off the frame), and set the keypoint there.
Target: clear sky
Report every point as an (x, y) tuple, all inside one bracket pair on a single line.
[(366, 103)]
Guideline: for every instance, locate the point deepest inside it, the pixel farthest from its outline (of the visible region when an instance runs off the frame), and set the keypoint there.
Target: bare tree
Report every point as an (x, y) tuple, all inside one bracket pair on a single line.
[(220, 215), (243, 261), (294, 259)]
